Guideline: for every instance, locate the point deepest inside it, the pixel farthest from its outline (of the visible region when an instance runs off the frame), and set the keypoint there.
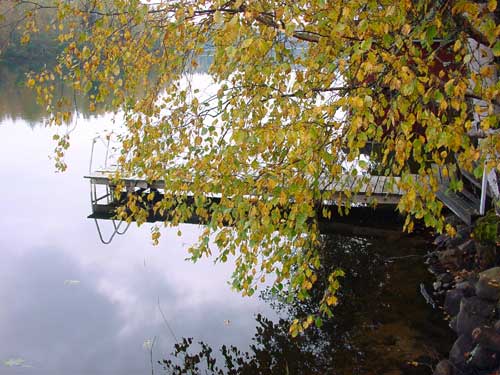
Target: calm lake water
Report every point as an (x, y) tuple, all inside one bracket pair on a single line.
[(71, 305)]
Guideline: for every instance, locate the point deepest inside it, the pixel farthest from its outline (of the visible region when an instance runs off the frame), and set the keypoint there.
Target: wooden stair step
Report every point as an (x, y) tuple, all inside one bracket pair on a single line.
[(471, 178), (458, 204), (471, 197)]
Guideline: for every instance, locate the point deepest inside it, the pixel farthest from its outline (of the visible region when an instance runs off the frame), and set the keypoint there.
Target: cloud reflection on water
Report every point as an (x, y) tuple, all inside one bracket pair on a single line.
[(99, 325)]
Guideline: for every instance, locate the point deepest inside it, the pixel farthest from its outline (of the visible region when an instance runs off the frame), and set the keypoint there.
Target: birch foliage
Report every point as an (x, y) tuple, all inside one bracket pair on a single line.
[(304, 87)]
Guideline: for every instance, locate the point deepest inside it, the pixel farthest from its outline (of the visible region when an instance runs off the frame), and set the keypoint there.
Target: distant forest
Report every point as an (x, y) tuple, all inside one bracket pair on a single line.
[(42, 48)]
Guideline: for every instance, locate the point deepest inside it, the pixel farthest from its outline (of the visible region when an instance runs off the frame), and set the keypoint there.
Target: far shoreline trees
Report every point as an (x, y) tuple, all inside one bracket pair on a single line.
[(23, 55)]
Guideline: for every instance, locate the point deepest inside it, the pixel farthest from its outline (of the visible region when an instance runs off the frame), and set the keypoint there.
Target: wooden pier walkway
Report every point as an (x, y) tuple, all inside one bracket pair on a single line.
[(362, 188), (363, 219)]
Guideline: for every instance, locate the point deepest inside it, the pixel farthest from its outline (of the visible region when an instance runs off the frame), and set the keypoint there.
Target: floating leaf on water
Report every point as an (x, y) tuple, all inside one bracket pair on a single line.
[(71, 282), (16, 362)]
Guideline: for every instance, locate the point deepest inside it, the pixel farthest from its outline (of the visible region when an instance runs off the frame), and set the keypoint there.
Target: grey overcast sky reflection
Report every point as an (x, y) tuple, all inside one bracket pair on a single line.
[(73, 305)]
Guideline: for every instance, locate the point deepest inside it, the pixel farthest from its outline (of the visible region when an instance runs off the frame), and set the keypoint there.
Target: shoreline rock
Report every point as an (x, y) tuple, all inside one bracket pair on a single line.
[(468, 289)]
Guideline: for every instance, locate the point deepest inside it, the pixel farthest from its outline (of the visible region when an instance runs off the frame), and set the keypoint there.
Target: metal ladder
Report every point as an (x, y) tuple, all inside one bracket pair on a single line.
[(108, 195)]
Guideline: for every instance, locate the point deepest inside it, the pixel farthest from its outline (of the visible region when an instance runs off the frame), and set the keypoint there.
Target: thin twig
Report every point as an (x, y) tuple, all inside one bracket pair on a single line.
[(166, 322), (151, 356)]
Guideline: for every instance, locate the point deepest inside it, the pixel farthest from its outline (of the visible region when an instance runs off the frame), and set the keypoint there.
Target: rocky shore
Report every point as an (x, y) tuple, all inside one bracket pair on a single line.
[(467, 287)]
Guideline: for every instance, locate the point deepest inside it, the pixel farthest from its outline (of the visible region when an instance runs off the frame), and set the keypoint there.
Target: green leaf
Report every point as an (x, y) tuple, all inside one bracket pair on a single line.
[(496, 49), (430, 34), (366, 44)]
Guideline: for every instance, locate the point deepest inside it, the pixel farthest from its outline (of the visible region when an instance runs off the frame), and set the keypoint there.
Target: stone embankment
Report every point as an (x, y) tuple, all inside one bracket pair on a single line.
[(468, 286)]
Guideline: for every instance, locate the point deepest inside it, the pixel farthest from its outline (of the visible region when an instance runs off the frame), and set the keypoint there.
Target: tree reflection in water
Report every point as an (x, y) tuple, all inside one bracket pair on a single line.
[(381, 325)]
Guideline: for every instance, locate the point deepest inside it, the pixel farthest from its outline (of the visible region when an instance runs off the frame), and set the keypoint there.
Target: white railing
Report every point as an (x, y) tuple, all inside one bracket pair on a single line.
[(482, 56), (489, 181)]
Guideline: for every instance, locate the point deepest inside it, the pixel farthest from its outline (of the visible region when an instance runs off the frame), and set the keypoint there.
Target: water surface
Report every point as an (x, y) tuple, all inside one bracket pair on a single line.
[(72, 305)]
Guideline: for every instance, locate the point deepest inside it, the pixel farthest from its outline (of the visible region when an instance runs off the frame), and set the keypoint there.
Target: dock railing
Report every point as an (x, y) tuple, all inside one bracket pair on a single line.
[(99, 192)]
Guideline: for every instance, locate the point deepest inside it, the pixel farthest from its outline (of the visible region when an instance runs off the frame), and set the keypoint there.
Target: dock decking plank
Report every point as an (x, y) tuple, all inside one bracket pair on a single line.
[(354, 181), (366, 185), (364, 189), (371, 185), (390, 186), (379, 188)]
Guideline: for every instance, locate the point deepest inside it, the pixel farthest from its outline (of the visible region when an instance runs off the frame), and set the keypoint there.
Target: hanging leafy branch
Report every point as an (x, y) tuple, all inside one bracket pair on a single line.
[(302, 88)]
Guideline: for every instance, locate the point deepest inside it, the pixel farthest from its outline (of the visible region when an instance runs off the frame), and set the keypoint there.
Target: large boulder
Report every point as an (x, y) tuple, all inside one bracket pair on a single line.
[(474, 312), (452, 301), (460, 350), (469, 246), (467, 287), (483, 358), (453, 324), (487, 337), (486, 255), (444, 367), (445, 278), (451, 259), (488, 285)]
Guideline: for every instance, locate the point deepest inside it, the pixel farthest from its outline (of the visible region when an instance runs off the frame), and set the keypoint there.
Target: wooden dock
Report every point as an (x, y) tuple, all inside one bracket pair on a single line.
[(361, 188), (363, 218)]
